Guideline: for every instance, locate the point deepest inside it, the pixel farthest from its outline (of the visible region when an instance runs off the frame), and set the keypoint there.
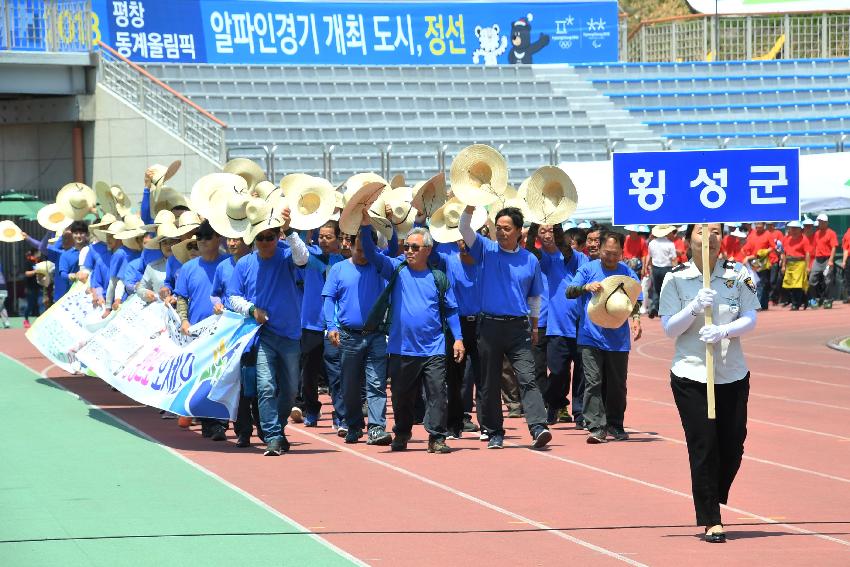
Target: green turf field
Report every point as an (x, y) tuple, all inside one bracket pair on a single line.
[(85, 484)]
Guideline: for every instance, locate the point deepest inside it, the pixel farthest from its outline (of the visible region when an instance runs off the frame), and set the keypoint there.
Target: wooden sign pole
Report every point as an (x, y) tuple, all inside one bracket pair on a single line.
[(709, 348)]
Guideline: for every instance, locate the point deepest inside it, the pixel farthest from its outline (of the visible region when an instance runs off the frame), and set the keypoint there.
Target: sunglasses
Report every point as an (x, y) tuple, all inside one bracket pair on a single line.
[(267, 238), (411, 247), (192, 246), (206, 236)]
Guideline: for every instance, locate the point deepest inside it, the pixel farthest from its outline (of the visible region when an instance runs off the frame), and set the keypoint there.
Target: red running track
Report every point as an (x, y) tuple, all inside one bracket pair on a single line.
[(617, 503)]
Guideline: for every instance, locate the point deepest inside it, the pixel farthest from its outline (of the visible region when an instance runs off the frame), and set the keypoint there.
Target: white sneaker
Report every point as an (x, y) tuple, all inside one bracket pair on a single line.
[(484, 436)]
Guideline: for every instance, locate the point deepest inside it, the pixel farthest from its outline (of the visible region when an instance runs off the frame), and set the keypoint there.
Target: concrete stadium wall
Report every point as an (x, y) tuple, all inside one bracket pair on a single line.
[(36, 158), (120, 143)]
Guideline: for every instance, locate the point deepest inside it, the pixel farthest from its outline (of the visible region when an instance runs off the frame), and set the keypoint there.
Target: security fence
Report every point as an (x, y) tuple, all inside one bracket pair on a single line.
[(46, 25), (703, 37)]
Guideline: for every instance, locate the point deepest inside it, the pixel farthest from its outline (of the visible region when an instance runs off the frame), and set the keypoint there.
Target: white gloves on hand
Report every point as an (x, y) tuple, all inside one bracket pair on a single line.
[(704, 300), (712, 333)]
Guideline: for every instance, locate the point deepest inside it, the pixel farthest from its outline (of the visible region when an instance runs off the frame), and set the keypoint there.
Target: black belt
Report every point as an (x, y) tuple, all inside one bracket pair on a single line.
[(504, 317), (351, 331)]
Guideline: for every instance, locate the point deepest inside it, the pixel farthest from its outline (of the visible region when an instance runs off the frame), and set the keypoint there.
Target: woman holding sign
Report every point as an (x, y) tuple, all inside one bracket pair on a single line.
[(715, 446)]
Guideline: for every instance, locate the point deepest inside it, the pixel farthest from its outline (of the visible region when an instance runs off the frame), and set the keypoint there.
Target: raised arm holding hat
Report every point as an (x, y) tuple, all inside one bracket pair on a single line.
[(609, 293), (512, 285)]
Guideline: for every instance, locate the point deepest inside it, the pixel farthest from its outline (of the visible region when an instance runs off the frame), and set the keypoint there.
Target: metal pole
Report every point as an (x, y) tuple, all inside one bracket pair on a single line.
[(270, 158), (388, 150), (716, 31)]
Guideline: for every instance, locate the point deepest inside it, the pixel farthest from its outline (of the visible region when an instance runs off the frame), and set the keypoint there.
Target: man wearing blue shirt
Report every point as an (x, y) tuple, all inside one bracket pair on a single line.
[(194, 303), (318, 355), (69, 261), (465, 376), (263, 287), (559, 263), (352, 287), (604, 352), (510, 307), (417, 342)]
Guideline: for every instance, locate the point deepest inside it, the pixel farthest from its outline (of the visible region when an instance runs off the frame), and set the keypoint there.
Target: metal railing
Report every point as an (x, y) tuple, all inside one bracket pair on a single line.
[(702, 37), (161, 103), (46, 25)]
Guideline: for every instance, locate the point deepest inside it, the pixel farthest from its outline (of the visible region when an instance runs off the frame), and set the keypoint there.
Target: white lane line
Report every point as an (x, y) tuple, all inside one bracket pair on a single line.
[(549, 455), (197, 466), (759, 421), (471, 498), (756, 394)]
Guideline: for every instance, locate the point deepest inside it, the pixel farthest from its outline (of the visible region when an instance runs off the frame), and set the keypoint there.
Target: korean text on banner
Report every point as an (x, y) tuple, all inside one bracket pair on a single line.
[(705, 186), (359, 33)]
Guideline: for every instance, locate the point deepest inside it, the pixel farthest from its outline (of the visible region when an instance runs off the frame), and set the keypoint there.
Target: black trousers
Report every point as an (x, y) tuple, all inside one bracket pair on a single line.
[(409, 374), (541, 374), (564, 361), (312, 369), (462, 376), (655, 293), (511, 339), (715, 447), (605, 374)]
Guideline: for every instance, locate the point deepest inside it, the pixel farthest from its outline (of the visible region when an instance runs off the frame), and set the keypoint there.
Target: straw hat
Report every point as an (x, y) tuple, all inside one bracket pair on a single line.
[(382, 225), (262, 215), (112, 199), (52, 218), (511, 198), (105, 221), (162, 216), (227, 213), (203, 189), (10, 232), (114, 228), (479, 174), (166, 199), (161, 174), (662, 230), (403, 213), (44, 272), (365, 197), (163, 231), (181, 250), (397, 181), (551, 195), (611, 307), (266, 190), (738, 233), (311, 201), (247, 170), (358, 180), (287, 182), (187, 222), (445, 221), (76, 200), (430, 195), (133, 228)]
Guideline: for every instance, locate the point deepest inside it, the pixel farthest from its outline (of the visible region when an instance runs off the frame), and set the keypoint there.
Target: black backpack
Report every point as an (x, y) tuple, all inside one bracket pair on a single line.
[(379, 316)]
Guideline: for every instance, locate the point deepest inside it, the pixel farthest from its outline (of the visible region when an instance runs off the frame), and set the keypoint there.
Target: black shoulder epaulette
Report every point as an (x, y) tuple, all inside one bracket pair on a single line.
[(681, 267), (729, 265)]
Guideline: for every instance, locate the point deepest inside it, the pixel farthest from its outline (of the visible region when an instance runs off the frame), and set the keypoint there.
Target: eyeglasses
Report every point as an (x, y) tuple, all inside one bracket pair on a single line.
[(267, 238), (206, 236), (412, 247)]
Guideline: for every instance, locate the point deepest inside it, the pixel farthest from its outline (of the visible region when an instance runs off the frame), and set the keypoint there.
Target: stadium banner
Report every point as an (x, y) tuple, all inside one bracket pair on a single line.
[(358, 33), (703, 186)]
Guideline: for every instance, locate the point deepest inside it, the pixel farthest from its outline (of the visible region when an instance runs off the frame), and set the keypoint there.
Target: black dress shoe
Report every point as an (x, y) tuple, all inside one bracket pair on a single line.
[(717, 537)]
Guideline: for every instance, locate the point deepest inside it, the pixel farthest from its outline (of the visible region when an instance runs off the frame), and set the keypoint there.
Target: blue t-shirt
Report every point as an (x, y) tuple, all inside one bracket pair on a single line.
[(416, 328), (68, 264), (270, 285), (590, 334), (100, 274), (96, 252), (195, 285), (172, 270), (133, 272), (349, 293), (221, 279), (508, 279), (464, 279), (563, 312), (544, 303), (54, 251), (315, 273)]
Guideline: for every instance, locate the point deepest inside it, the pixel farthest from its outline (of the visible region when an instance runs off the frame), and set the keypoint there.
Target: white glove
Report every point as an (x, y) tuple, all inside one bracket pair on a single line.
[(704, 300), (712, 333)]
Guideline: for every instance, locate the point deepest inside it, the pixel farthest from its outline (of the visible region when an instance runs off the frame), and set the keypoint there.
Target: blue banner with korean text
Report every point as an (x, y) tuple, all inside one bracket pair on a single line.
[(676, 187), (359, 33)]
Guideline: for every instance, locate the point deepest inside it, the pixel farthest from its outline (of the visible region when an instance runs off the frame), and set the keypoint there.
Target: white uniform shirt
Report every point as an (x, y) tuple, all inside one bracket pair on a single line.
[(662, 252), (736, 294)]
